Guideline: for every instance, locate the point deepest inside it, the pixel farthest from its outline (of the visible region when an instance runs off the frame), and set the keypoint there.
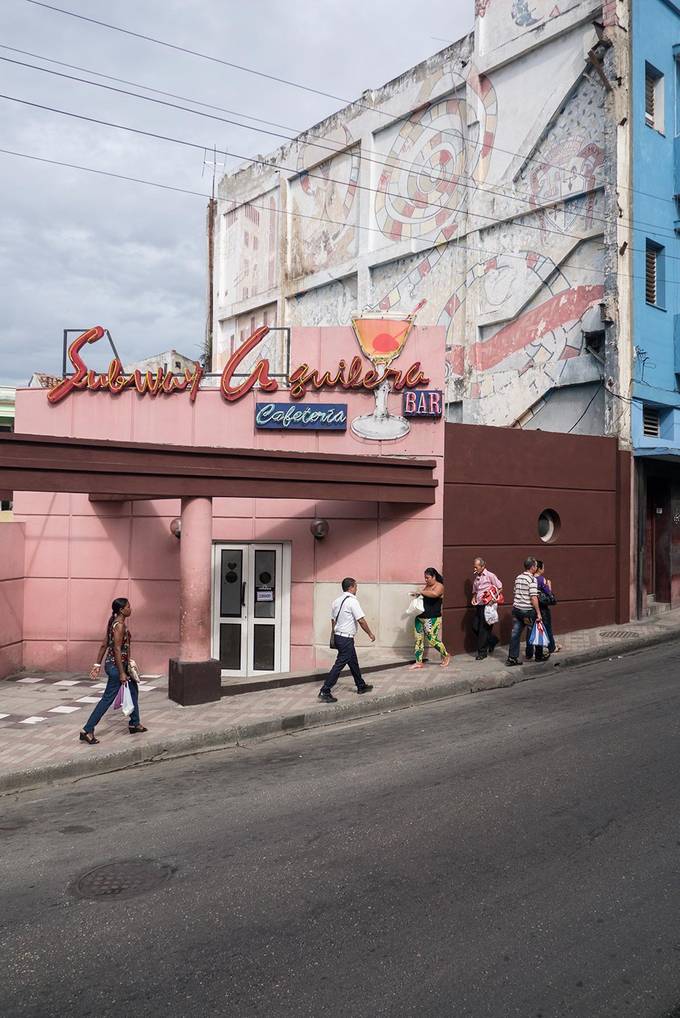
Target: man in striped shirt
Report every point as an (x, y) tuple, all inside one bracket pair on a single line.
[(525, 610)]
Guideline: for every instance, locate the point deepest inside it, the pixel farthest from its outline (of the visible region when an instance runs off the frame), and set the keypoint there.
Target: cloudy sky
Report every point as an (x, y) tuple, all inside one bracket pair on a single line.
[(77, 249)]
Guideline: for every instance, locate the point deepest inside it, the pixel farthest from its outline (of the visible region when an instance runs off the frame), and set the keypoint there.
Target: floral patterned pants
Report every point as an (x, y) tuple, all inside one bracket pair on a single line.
[(430, 630)]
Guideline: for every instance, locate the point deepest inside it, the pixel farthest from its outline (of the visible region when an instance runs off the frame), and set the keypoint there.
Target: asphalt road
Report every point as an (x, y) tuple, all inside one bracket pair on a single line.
[(515, 852)]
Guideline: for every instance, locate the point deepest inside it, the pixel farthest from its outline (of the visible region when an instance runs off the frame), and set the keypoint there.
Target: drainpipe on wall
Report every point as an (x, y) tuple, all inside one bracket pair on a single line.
[(640, 522), (211, 217)]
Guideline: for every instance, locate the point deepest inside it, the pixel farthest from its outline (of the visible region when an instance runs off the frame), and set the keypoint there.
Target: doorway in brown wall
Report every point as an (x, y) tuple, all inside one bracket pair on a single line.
[(657, 575)]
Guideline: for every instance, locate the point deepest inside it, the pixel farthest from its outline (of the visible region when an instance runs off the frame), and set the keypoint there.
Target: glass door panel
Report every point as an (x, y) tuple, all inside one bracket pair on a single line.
[(230, 620), (251, 595)]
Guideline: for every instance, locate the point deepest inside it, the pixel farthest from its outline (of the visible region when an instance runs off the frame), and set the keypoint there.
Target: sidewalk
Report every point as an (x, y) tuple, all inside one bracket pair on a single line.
[(40, 714)]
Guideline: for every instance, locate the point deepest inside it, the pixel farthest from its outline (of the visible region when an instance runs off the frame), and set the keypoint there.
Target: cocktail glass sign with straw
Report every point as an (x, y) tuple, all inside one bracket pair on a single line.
[(382, 338)]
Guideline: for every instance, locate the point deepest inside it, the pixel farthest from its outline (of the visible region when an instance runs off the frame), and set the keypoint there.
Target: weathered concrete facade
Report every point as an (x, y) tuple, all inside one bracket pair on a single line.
[(481, 181)]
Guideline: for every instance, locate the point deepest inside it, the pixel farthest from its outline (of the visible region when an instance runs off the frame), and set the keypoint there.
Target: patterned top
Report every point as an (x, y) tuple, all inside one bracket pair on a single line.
[(125, 648)]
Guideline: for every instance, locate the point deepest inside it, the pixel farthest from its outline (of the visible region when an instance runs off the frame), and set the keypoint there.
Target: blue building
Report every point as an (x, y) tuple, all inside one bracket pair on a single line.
[(655, 410)]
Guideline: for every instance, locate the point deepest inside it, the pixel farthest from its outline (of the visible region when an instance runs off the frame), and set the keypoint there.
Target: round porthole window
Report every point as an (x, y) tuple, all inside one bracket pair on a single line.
[(548, 525)]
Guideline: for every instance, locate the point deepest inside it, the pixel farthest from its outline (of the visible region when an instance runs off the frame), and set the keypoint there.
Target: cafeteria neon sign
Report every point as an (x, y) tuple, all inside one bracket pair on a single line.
[(160, 382)]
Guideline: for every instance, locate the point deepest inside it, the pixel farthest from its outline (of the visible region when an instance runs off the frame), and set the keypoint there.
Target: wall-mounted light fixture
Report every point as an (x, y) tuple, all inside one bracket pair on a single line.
[(176, 528), (319, 528)]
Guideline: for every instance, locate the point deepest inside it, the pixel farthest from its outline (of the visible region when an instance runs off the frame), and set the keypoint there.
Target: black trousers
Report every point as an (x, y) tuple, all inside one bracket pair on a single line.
[(347, 655), (485, 639)]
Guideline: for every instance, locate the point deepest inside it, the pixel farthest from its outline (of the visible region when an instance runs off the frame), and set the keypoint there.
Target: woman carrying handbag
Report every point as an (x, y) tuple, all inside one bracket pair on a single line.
[(120, 669), (428, 625)]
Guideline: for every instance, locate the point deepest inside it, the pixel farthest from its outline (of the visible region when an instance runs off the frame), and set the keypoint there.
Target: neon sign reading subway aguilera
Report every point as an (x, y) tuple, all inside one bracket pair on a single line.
[(302, 380)]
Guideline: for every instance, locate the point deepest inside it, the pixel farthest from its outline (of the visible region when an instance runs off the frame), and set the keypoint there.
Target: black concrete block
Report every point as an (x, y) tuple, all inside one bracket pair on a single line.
[(194, 682)]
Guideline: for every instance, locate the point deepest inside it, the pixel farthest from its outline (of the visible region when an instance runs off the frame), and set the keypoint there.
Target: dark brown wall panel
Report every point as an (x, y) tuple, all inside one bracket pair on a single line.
[(576, 573), (530, 458), (567, 616), (486, 514), (497, 482)]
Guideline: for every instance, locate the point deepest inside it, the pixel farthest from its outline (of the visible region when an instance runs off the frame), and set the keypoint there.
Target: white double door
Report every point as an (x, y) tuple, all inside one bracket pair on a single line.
[(251, 608)]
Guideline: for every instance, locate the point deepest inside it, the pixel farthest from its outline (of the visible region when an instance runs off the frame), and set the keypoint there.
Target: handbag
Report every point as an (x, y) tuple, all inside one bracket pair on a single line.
[(416, 607), (546, 598), (539, 637), (133, 671), (331, 642)]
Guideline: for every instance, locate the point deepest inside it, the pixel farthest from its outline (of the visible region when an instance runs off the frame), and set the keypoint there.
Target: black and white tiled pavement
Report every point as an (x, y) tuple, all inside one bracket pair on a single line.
[(66, 696)]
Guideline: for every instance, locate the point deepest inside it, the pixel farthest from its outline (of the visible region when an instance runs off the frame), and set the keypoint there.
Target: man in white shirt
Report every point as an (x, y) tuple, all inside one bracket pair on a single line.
[(346, 614)]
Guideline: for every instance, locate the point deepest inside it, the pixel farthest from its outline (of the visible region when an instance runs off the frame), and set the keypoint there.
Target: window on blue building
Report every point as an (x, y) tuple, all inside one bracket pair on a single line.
[(654, 104), (654, 274), (651, 423)]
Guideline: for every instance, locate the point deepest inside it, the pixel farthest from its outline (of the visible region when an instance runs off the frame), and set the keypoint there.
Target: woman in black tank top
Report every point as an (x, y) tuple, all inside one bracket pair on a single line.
[(428, 625)]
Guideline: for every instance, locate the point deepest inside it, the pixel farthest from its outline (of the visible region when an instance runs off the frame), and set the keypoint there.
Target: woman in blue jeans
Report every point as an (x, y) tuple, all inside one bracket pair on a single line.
[(115, 650)]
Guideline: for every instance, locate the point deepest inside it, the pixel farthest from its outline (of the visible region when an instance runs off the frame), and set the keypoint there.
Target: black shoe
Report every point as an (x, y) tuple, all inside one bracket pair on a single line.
[(481, 657), (512, 661), (326, 696), (366, 688)]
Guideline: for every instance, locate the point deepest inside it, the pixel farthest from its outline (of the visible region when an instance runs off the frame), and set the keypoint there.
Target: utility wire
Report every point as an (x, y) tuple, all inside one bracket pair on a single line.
[(190, 52), (263, 74), (326, 179), (386, 160), (588, 406), (103, 173), (148, 88), (294, 84), (317, 144), (429, 245)]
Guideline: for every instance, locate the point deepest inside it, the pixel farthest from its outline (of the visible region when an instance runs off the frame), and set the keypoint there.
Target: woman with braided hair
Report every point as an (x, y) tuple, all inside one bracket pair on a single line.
[(115, 652)]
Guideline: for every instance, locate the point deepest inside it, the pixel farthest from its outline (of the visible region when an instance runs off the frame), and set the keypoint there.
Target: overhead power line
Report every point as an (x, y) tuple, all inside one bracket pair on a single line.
[(190, 52), (147, 88), (295, 84), (325, 179), (428, 245), (270, 77), (385, 161)]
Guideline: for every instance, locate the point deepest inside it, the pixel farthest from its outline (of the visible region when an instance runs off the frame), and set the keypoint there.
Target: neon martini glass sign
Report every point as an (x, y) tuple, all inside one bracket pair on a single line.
[(382, 338)]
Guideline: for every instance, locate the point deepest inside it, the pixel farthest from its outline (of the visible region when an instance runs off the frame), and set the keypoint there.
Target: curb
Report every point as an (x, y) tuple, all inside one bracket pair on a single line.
[(232, 736)]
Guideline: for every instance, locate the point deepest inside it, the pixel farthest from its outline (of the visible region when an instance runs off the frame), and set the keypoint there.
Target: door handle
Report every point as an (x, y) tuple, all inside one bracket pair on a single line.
[(243, 594)]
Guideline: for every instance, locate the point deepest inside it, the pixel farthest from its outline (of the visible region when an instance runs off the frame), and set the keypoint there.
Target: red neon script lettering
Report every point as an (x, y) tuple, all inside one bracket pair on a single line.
[(80, 379), (259, 374), (116, 381)]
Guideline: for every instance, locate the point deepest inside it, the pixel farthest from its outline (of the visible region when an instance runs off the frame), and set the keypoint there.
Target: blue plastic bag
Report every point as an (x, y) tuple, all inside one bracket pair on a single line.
[(539, 637)]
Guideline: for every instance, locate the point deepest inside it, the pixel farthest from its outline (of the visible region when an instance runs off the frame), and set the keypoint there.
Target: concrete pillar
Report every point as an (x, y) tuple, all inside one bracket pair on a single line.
[(193, 677), (195, 548)]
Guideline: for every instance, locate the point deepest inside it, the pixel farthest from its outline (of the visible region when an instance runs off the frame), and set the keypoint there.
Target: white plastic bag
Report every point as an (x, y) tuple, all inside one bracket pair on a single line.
[(490, 614), (416, 607), (128, 705)]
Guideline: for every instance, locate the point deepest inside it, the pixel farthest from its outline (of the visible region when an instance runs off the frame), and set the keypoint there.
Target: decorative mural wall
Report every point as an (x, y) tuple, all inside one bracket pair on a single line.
[(480, 193)]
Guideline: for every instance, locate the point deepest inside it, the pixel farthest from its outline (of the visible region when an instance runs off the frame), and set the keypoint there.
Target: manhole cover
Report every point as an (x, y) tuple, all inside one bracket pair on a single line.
[(127, 878), (619, 634)]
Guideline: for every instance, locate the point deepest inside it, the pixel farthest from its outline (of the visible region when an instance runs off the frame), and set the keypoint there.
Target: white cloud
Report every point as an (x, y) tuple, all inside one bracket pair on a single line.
[(77, 249)]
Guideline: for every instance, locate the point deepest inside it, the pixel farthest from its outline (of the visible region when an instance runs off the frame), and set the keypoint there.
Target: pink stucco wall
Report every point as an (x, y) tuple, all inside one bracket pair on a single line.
[(79, 555), (11, 596)]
